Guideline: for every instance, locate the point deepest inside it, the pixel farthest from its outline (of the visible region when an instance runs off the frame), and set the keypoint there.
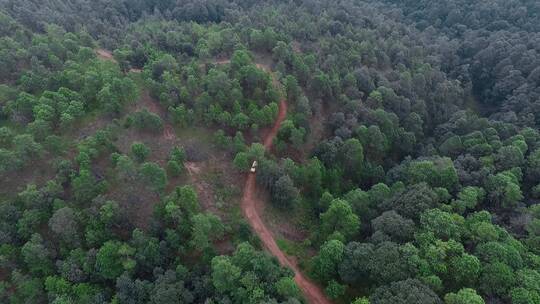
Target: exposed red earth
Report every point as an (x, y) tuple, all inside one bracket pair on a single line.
[(312, 292)]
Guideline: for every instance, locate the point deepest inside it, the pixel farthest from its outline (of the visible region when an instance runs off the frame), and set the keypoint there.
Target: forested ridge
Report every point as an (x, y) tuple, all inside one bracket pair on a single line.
[(407, 169)]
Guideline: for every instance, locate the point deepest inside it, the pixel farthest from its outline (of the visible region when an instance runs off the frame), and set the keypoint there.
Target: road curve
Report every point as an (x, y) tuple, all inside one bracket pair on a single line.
[(312, 292)]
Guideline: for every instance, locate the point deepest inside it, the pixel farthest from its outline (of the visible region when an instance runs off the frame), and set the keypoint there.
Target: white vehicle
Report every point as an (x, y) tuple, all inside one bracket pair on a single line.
[(253, 167)]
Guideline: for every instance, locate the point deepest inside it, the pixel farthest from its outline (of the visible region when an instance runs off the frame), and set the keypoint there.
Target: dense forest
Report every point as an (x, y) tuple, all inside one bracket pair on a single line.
[(397, 151)]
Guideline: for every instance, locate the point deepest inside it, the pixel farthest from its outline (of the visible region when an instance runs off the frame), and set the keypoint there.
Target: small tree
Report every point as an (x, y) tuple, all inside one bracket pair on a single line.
[(37, 257), (113, 258), (339, 218), (361, 301), (64, 224), (335, 290), (108, 100), (410, 291), (284, 193), (86, 187), (241, 161), (286, 287), (6, 136), (325, 264), (464, 296), (497, 278), (147, 121), (206, 228), (173, 168), (178, 154), (224, 274), (140, 151), (503, 189), (26, 148), (8, 161), (154, 175)]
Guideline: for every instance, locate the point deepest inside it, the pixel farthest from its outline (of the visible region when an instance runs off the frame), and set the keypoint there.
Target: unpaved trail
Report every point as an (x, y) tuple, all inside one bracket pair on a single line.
[(312, 292)]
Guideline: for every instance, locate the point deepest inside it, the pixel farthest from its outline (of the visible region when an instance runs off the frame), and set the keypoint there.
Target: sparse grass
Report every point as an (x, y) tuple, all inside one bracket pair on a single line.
[(306, 218), (37, 172), (201, 134), (300, 250), (224, 193), (290, 248), (299, 216)]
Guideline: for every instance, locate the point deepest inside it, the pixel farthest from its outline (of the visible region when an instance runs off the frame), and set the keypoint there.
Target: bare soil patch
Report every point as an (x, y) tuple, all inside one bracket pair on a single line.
[(105, 54), (192, 168), (137, 202), (38, 173), (312, 292), (252, 207), (216, 182), (279, 222)]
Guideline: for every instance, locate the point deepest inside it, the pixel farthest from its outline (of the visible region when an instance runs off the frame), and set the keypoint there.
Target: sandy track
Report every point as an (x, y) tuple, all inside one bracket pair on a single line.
[(312, 292)]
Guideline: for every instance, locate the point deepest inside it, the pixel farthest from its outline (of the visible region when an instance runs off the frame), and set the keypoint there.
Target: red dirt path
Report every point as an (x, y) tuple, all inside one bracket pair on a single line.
[(312, 292)]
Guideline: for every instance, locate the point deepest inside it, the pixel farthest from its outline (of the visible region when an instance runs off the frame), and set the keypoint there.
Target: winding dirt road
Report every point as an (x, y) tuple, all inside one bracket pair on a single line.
[(312, 292)]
